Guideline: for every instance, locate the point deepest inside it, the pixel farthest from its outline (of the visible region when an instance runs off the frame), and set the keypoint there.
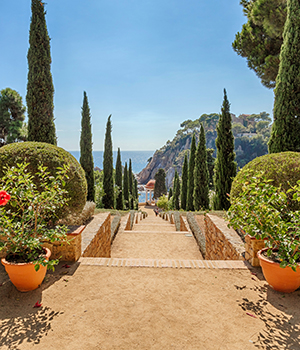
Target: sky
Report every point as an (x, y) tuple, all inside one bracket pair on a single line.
[(151, 64)]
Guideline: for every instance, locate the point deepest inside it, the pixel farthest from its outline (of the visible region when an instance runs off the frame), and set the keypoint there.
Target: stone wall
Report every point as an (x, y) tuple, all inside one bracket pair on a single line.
[(222, 243), (98, 244), (252, 246)]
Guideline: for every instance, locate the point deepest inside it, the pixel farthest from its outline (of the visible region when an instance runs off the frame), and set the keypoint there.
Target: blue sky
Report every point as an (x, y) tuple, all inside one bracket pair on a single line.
[(150, 63)]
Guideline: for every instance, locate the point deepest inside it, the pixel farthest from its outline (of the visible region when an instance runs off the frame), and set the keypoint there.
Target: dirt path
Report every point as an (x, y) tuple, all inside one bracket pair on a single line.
[(155, 238), (139, 308)]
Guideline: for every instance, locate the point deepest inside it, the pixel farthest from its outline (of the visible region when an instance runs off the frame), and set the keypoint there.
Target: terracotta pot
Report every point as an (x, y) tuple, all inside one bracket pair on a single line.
[(283, 280), (23, 275)]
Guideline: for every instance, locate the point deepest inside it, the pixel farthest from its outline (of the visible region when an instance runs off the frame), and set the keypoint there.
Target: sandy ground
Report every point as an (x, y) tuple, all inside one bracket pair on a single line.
[(124, 308)]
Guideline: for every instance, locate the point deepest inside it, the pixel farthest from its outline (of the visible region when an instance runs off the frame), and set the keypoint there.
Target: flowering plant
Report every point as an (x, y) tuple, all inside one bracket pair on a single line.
[(25, 212), (264, 212)]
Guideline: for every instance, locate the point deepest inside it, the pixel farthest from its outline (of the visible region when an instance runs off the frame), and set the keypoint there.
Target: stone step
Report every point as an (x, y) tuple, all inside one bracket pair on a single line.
[(156, 232), (166, 263)]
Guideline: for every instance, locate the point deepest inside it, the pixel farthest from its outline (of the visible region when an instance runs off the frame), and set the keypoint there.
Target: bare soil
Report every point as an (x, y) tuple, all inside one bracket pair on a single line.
[(124, 308)]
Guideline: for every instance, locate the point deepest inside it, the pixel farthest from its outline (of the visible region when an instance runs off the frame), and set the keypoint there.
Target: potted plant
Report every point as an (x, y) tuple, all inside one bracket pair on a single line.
[(28, 204), (264, 211)]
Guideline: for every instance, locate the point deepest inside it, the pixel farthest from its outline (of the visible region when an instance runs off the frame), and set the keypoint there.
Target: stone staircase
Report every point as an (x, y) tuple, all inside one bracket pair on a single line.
[(154, 243)]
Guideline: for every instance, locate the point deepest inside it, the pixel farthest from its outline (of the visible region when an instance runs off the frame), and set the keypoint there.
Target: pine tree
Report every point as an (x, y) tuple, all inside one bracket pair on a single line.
[(40, 88), (176, 191), (86, 148), (118, 181), (225, 167), (285, 134), (160, 183), (201, 176), (126, 187), (190, 192), (108, 180), (130, 185), (184, 183)]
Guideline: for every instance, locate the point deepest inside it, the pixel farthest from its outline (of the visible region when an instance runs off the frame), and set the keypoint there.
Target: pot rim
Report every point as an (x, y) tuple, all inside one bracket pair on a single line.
[(269, 261), (47, 256)]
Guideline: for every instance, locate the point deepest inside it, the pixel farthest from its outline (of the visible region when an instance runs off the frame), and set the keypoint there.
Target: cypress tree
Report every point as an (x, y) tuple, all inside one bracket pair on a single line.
[(160, 183), (225, 167), (86, 151), (126, 188), (184, 183), (201, 177), (170, 193), (285, 134), (176, 191), (130, 185), (136, 194), (118, 181), (40, 88), (108, 180), (190, 193)]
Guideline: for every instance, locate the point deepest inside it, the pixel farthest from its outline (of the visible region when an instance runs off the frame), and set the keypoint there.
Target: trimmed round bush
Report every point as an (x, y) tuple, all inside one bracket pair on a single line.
[(51, 157), (283, 168)]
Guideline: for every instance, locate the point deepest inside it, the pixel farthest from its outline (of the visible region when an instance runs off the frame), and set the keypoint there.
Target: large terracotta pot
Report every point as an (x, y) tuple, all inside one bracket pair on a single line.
[(23, 275), (281, 279)]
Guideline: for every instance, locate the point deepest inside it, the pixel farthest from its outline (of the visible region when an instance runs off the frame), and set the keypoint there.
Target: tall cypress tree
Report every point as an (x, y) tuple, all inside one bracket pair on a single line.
[(136, 194), (201, 177), (86, 148), (176, 191), (170, 193), (108, 180), (225, 167), (118, 182), (190, 193), (126, 187), (285, 134), (184, 183), (160, 183), (40, 88), (130, 185)]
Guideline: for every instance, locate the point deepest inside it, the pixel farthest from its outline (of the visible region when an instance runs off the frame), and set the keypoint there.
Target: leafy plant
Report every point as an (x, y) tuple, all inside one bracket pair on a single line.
[(24, 222), (263, 211)]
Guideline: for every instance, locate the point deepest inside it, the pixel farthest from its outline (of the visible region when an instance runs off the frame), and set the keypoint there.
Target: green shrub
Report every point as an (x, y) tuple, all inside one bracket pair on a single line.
[(283, 168), (51, 157)]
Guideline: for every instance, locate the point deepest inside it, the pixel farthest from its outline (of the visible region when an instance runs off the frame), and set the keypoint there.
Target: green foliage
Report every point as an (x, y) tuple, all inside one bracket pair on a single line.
[(176, 191), (190, 192), (201, 190), (51, 157), (210, 167), (130, 185), (108, 179), (118, 182), (136, 194), (24, 222), (225, 167), (261, 37), (163, 202), (126, 188), (160, 183), (285, 134), (184, 183), (86, 148), (11, 117), (262, 210), (283, 168), (40, 88), (170, 193)]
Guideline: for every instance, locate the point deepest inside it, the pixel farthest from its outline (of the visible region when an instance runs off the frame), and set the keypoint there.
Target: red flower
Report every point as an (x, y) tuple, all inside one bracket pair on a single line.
[(4, 197)]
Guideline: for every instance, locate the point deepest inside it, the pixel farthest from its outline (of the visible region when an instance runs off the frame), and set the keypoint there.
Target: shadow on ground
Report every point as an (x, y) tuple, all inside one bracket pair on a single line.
[(20, 320), (282, 327)]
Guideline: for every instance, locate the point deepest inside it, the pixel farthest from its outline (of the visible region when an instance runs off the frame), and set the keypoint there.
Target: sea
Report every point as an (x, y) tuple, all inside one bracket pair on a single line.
[(139, 160)]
